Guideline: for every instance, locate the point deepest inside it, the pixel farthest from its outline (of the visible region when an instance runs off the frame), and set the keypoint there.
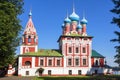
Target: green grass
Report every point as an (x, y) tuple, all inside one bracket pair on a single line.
[(107, 77)]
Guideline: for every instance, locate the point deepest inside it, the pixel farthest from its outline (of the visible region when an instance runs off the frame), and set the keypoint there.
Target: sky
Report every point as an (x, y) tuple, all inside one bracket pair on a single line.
[(48, 16)]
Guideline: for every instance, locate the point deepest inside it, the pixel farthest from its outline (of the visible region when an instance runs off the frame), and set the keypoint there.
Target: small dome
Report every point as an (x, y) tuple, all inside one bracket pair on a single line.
[(84, 21), (74, 17), (67, 20), (30, 14), (63, 25), (79, 26)]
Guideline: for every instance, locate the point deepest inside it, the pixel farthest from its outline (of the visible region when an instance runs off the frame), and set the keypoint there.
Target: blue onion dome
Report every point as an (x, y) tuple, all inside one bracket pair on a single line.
[(74, 17), (84, 21), (79, 26), (67, 20), (63, 25), (30, 14)]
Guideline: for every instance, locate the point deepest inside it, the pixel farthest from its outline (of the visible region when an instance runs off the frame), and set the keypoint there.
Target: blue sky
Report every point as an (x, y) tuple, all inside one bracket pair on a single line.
[(48, 16)]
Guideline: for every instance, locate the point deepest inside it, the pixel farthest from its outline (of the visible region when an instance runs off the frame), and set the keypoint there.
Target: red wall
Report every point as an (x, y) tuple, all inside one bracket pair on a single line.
[(92, 62), (102, 62), (24, 59), (31, 49), (36, 61)]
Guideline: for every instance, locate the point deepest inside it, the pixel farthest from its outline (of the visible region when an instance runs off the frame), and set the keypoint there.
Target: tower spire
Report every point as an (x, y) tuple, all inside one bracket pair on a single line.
[(67, 20), (83, 14), (84, 21), (67, 14), (74, 16), (73, 7), (30, 26)]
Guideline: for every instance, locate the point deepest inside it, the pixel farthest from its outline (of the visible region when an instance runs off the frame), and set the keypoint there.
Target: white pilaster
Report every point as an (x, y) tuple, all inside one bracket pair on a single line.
[(36, 48), (19, 65), (65, 61), (33, 62), (21, 49)]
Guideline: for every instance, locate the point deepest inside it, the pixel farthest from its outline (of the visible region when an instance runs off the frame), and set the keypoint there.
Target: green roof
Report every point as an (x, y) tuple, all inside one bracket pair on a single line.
[(96, 54), (74, 36), (55, 53), (44, 53)]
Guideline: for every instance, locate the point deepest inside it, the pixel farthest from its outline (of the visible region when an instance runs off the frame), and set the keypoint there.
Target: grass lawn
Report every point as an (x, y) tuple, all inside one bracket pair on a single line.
[(107, 77)]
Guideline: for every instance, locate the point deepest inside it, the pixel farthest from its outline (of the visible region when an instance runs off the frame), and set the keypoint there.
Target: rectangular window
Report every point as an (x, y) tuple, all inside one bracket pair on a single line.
[(49, 62), (27, 72), (70, 72), (70, 50), (77, 62), (79, 72), (49, 72), (84, 50), (77, 50), (69, 62), (41, 62), (58, 62), (84, 62)]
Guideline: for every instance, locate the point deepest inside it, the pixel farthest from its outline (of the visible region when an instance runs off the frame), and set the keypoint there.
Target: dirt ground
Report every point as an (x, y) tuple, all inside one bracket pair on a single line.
[(17, 78)]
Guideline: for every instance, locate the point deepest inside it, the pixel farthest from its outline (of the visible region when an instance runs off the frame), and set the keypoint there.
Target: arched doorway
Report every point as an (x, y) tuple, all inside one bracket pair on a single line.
[(40, 71)]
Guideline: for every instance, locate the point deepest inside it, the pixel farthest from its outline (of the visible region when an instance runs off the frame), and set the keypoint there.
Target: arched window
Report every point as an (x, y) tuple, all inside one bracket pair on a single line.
[(84, 50), (96, 62), (70, 50), (26, 50), (29, 38), (34, 39), (84, 62), (69, 62), (77, 50), (27, 63)]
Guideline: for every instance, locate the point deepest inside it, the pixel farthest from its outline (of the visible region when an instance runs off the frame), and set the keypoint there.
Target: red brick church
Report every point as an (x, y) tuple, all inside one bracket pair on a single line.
[(75, 55)]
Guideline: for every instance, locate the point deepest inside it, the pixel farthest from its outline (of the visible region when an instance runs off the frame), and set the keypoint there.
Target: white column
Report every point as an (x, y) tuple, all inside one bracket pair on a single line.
[(33, 62), (19, 65), (21, 49), (90, 53), (36, 48), (65, 61)]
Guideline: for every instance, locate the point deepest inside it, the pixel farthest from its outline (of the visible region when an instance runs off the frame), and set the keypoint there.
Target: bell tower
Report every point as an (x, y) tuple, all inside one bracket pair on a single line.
[(29, 38)]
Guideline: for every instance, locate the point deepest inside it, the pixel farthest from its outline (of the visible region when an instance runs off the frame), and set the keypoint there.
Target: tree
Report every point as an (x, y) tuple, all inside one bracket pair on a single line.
[(9, 29), (116, 20)]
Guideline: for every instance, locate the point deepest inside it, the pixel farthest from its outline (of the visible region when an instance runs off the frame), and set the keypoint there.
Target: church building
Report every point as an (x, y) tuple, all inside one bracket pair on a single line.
[(75, 55)]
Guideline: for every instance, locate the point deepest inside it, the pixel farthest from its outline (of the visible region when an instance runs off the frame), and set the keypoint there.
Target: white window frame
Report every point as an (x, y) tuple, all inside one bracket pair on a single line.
[(48, 62)]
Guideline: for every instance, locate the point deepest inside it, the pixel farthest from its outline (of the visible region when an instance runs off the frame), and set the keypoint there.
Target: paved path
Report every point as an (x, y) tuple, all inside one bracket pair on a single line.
[(17, 78)]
